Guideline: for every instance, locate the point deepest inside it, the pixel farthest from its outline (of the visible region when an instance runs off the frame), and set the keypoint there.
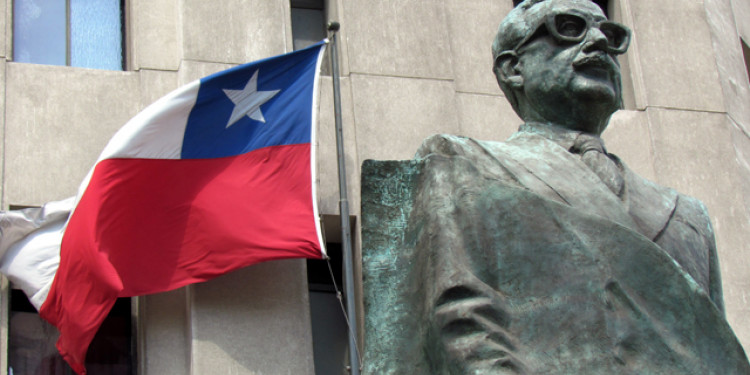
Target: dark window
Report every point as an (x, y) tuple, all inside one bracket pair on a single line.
[(31, 342), (308, 22), (330, 337), (81, 33)]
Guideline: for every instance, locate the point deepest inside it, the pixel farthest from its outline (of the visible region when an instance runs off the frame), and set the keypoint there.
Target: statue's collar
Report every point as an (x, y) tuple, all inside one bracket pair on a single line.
[(555, 133)]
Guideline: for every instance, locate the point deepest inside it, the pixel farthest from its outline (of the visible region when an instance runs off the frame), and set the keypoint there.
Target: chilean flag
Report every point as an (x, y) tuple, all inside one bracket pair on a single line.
[(215, 176)]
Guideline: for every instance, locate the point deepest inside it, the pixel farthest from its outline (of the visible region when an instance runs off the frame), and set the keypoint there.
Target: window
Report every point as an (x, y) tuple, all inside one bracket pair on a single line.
[(81, 33), (329, 329), (31, 342), (308, 22)]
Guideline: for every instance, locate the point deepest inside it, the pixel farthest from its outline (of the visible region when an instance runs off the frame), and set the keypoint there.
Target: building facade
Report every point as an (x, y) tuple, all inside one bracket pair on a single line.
[(410, 68)]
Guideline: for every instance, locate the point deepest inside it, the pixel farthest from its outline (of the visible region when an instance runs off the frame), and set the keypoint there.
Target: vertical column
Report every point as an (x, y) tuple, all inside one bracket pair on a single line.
[(253, 321)]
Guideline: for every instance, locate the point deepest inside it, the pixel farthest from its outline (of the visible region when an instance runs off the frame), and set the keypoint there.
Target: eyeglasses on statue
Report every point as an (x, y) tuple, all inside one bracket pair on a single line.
[(570, 28)]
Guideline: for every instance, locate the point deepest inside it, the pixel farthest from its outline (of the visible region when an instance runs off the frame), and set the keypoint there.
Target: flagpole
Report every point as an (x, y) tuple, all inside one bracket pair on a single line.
[(346, 240)]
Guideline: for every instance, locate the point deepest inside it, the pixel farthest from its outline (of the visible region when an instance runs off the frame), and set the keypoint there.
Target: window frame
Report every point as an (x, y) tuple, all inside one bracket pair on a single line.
[(125, 45)]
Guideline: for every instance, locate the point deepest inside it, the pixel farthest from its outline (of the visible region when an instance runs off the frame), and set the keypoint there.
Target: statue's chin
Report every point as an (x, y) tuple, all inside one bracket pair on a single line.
[(594, 88), (597, 95)]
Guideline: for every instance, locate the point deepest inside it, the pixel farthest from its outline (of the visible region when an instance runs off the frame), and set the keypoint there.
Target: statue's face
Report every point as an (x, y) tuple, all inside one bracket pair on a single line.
[(568, 65)]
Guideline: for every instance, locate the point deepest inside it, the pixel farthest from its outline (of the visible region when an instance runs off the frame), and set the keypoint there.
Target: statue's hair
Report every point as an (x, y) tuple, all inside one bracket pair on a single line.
[(512, 30), (502, 42)]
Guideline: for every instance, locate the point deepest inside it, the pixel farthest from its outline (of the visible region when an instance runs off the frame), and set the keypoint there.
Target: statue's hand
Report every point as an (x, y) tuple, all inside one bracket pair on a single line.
[(472, 329)]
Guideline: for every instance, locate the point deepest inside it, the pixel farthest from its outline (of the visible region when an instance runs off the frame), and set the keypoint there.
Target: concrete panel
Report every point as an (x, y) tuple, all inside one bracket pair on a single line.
[(253, 321), (737, 287), (164, 326), (741, 142), (486, 117), (5, 16), (741, 11), (673, 40), (328, 178), (407, 38), (192, 70), (335, 12), (236, 32), (729, 61), (472, 25), (157, 35), (394, 115), (694, 153), (58, 120), (154, 84), (633, 87), (628, 137)]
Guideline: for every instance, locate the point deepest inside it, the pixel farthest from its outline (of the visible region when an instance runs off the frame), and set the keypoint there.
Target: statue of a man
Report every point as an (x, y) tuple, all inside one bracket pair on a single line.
[(545, 254)]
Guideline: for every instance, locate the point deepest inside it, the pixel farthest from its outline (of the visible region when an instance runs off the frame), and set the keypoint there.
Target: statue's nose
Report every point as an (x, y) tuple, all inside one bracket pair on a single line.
[(595, 40)]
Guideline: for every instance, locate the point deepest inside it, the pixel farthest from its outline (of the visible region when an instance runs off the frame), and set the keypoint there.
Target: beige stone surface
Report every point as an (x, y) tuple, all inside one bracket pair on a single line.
[(157, 34), (154, 84), (164, 325), (394, 115), (730, 61), (236, 32), (628, 85), (674, 44), (737, 288), (407, 38), (486, 117), (633, 87), (328, 177), (253, 321), (741, 145), (741, 11), (693, 154), (472, 25), (628, 136), (5, 16), (192, 70), (335, 12), (58, 120)]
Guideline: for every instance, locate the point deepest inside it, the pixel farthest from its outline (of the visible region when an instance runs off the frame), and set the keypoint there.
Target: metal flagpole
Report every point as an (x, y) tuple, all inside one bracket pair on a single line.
[(346, 240)]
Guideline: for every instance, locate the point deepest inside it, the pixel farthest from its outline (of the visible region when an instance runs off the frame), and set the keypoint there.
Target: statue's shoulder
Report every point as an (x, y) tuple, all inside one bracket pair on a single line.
[(455, 145), (694, 211)]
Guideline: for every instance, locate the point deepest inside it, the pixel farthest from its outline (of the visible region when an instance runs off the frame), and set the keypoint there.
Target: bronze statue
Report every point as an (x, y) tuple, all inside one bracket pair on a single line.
[(543, 254)]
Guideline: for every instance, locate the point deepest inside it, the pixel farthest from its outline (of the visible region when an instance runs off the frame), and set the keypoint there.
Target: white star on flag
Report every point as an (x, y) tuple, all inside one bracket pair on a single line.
[(247, 101)]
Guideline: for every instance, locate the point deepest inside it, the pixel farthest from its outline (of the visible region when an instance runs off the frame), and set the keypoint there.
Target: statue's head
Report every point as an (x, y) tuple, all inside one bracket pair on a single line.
[(555, 60)]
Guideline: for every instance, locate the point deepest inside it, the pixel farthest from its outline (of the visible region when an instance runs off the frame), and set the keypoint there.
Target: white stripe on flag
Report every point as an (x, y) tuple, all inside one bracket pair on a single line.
[(30, 246)]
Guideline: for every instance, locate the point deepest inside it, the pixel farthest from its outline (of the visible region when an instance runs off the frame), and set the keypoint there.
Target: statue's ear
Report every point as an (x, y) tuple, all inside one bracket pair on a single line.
[(507, 69)]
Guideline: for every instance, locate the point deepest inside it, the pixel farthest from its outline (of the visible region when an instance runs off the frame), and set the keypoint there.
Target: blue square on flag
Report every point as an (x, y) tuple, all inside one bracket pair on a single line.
[(256, 105)]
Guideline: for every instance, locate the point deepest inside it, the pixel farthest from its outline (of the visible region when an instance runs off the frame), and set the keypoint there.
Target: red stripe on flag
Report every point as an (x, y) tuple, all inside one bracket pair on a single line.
[(151, 225)]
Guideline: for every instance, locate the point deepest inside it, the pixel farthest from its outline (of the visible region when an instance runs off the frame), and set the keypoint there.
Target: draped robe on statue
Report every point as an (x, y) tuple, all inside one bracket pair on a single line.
[(514, 257)]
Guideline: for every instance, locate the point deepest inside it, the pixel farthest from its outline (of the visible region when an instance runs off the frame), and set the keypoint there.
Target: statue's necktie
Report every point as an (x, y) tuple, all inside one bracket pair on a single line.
[(595, 157)]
